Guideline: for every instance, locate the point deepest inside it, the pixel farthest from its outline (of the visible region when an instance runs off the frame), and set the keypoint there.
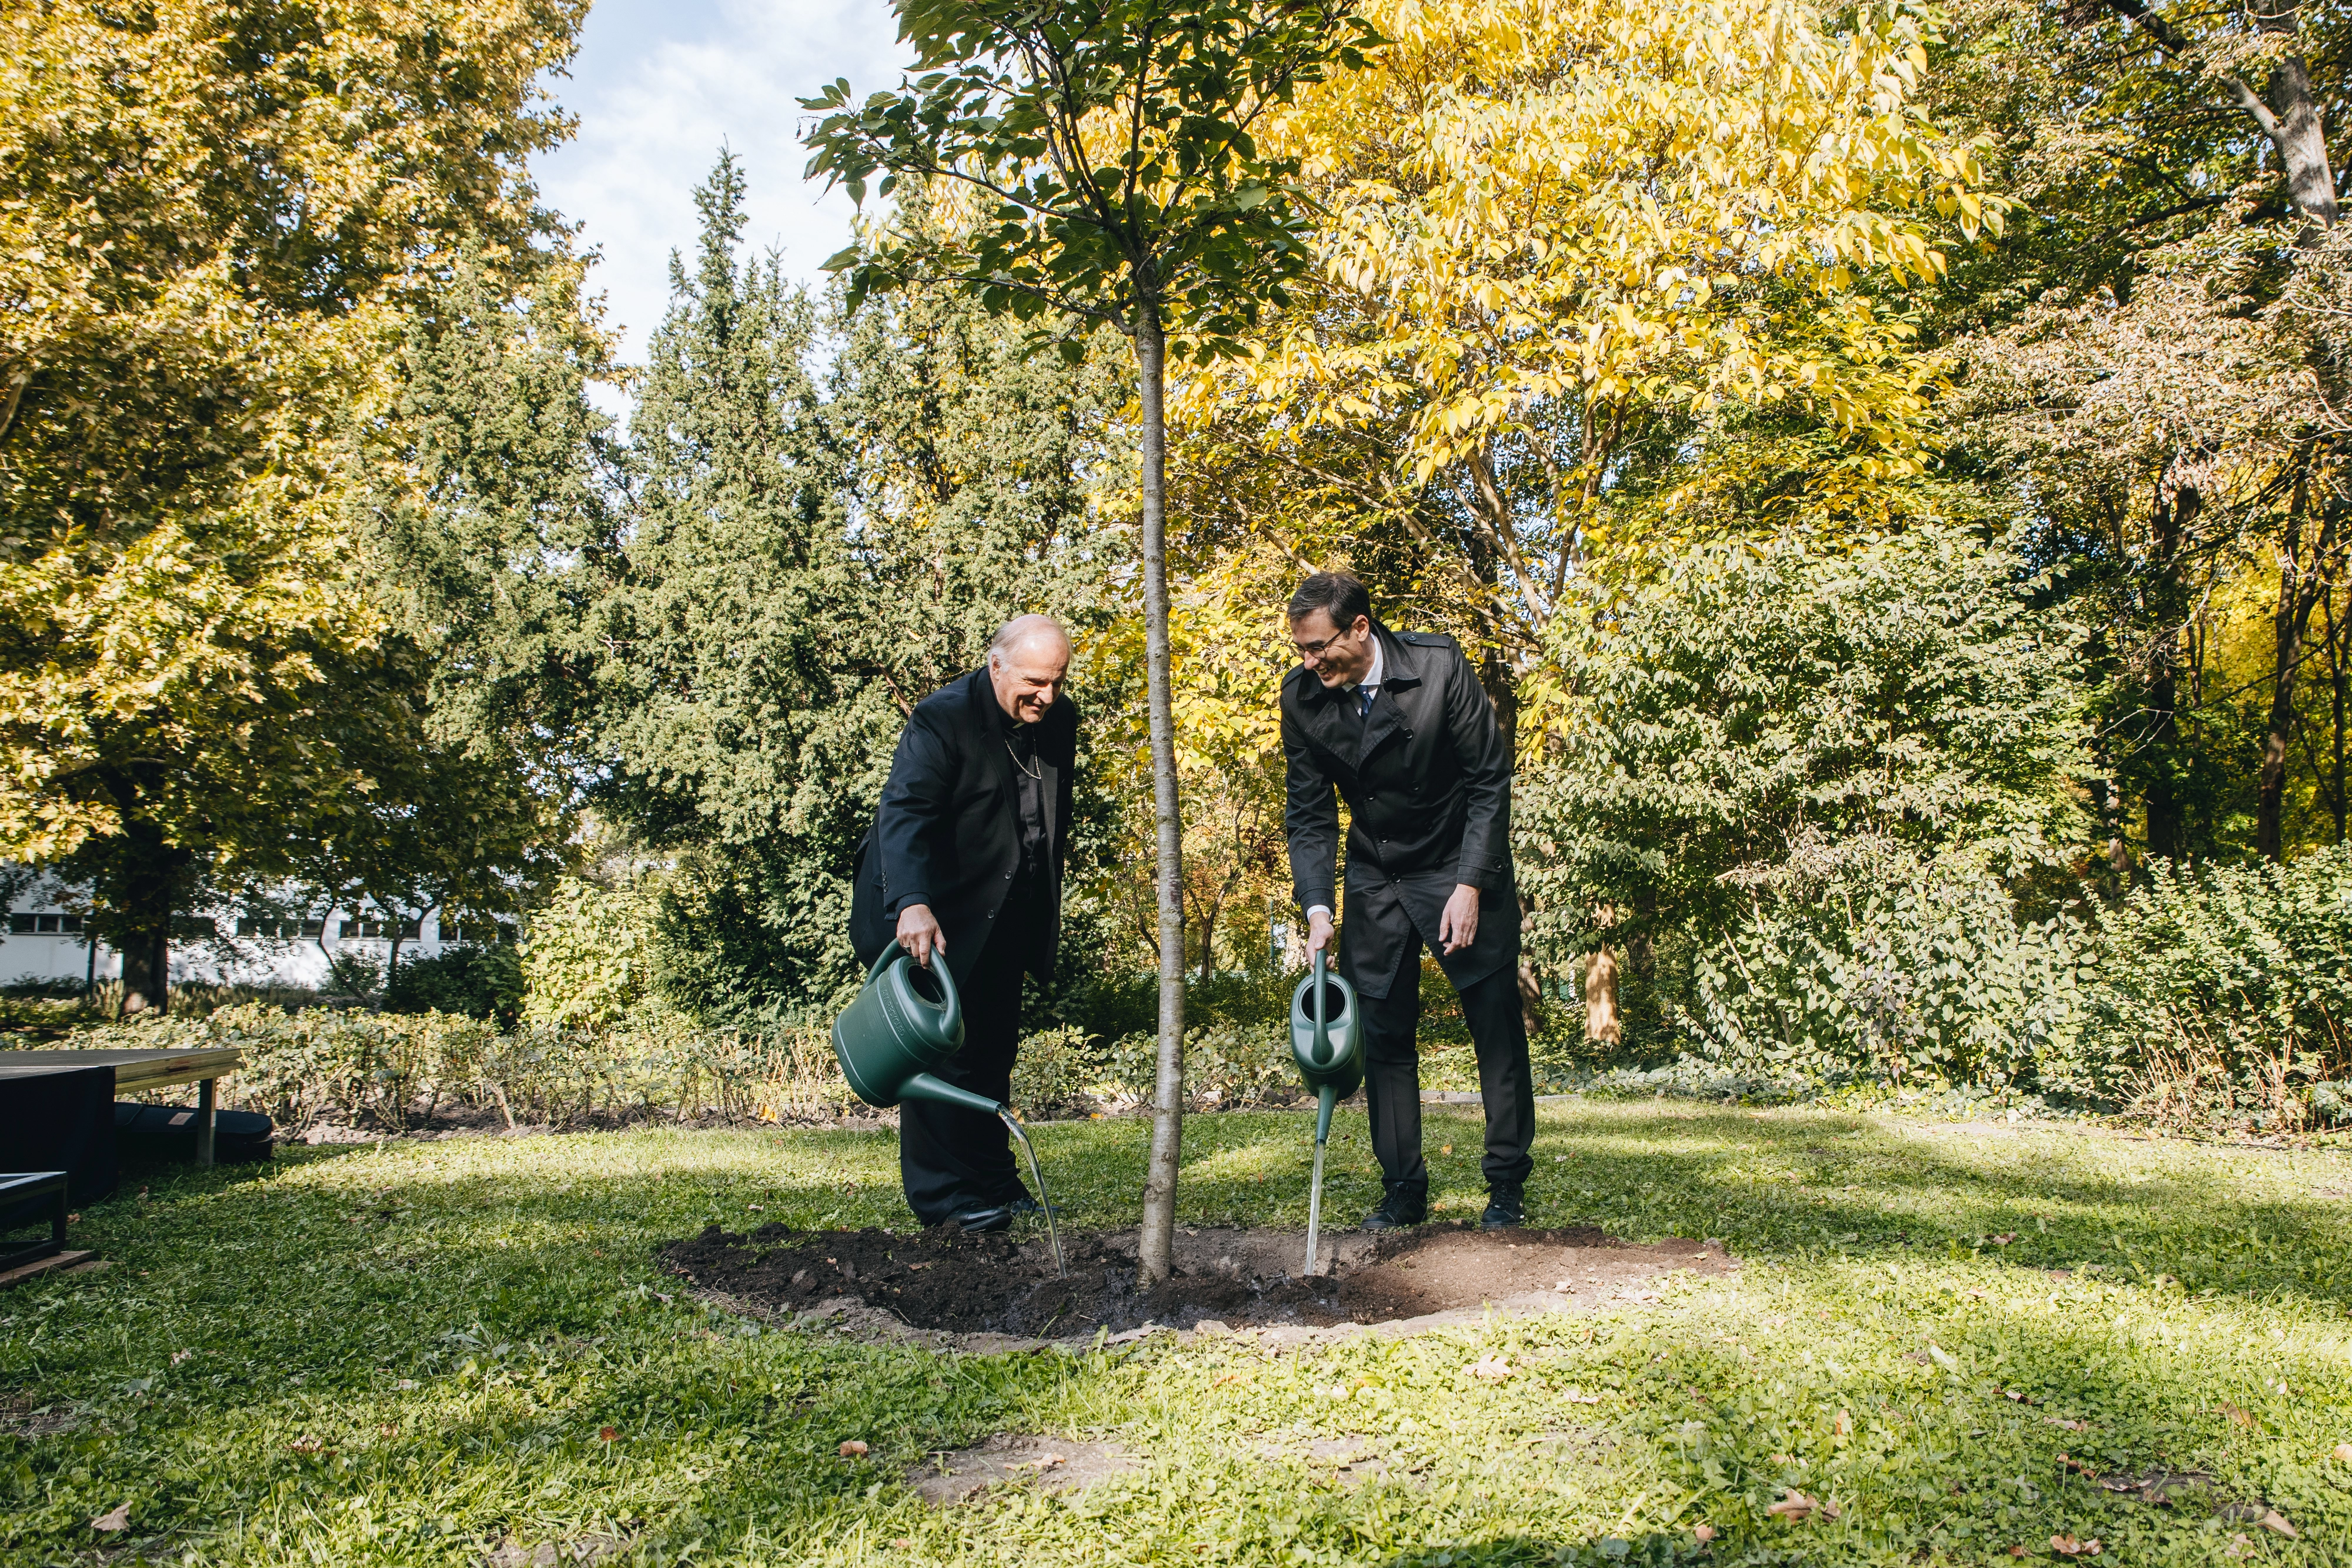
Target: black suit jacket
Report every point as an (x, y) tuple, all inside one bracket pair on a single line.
[(947, 832), (1427, 778)]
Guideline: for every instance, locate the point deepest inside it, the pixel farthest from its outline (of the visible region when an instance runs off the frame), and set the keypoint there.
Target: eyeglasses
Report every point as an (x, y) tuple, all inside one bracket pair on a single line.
[(1315, 649)]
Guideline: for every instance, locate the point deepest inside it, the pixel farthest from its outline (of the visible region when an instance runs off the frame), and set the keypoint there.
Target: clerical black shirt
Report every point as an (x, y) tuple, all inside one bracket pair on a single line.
[(1029, 801)]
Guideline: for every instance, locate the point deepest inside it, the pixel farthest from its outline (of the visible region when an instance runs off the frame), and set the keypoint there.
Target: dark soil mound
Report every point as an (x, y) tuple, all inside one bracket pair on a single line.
[(943, 1279)]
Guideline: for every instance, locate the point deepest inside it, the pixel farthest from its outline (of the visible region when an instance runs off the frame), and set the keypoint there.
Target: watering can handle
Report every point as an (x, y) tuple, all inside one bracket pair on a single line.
[(1322, 1025), (953, 1004)]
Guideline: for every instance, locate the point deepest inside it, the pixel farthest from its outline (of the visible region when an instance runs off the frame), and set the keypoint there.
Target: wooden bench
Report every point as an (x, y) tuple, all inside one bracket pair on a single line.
[(135, 1070)]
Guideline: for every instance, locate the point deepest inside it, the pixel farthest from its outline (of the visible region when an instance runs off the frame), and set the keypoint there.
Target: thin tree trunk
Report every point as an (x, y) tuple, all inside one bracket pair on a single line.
[(2336, 685), (2166, 833), (2298, 595), (1155, 1251)]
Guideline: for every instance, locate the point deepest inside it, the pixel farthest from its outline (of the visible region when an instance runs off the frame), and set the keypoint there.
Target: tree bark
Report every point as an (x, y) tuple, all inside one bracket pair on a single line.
[(1157, 1245), (2287, 111), (146, 970), (2298, 595), (2167, 830), (1602, 1025)]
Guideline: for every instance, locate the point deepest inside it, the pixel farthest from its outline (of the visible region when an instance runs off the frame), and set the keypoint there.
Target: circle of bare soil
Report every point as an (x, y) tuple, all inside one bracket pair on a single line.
[(1006, 1284)]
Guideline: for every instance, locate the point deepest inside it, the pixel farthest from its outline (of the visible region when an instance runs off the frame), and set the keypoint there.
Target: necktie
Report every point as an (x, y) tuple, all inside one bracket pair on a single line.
[(1364, 701)]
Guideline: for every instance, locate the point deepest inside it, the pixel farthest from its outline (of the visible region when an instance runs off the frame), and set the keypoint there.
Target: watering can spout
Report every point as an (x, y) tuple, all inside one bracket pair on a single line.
[(923, 1086)]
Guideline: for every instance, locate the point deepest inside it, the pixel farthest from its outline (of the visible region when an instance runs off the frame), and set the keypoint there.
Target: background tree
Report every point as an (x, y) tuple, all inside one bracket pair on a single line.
[(216, 215), (2152, 381), (1790, 773), (1110, 151), (815, 549)]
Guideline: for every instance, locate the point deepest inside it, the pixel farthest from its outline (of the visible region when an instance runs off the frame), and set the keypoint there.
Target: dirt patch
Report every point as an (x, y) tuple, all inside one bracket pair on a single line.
[(1005, 1284), (1052, 1464)]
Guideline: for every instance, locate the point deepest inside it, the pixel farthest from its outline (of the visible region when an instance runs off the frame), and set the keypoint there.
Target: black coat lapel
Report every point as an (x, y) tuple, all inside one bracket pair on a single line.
[(988, 735)]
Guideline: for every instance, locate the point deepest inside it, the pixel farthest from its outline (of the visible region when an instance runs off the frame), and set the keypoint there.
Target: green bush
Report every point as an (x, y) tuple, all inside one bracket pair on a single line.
[(1931, 976), (392, 1070), (471, 982), (2224, 993), (588, 962)]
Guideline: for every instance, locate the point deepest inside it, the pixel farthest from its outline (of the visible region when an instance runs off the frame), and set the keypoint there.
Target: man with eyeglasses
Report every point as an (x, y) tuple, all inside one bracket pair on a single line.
[(963, 868), (1397, 723)]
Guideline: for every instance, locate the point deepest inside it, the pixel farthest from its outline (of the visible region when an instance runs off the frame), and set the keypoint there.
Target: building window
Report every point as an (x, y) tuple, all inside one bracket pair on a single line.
[(36, 923)]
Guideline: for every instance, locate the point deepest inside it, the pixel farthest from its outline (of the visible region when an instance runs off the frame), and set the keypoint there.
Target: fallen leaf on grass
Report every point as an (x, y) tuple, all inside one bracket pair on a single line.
[(2067, 1546), (900, 1543), (1797, 1508), (2017, 1552), (2070, 1426), (1445, 1148), (1048, 1462), (2278, 1522), (1573, 1397), (2239, 1414), (853, 1449), (1492, 1367), (119, 1519), (608, 1434), (306, 1444), (2004, 1238), (2344, 1453), (1703, 1533), (180, 1356)]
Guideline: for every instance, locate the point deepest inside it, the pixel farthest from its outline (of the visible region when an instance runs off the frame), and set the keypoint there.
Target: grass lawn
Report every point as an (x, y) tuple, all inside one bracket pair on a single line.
[(410, 1353)]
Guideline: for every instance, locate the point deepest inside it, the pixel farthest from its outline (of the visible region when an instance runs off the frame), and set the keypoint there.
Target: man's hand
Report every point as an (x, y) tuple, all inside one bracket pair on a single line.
[(919, 933), (1458, 927), (1318, 933)]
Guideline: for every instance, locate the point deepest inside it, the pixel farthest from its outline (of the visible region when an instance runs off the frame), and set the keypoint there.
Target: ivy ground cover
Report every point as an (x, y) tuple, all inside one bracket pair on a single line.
[(1959, 1343)]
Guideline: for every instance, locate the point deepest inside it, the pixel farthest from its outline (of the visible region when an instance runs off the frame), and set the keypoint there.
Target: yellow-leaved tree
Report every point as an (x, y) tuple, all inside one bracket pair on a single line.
[(1572, 251), (1590, 272), (217, 213)]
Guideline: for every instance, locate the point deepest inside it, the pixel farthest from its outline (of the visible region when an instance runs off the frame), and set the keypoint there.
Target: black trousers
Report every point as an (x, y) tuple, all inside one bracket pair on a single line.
[(951, 1160), (1498, 1033)]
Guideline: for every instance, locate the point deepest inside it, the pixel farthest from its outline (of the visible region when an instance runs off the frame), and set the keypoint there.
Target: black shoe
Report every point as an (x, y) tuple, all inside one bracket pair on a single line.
[(974, 1221), (1024, 1206), (1506, 1206), (1407, 1204)]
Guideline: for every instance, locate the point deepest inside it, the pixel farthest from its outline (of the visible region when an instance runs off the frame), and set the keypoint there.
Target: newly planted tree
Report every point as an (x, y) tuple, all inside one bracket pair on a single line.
[(1107, 158)]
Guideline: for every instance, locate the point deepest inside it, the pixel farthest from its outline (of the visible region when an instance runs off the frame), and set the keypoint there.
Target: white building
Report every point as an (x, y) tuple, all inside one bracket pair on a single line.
[(46, 941)]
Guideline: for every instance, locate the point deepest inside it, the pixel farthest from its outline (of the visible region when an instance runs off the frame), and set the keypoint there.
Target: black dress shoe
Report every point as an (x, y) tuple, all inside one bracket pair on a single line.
[(989, 1217), (1025, 1205), (1506, 1206), (1407, 1204)]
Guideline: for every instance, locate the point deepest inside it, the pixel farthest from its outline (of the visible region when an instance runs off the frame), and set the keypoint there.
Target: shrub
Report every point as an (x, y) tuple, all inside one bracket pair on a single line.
[(2223, 992), (471, 982), (1933, 974), (589, 961)]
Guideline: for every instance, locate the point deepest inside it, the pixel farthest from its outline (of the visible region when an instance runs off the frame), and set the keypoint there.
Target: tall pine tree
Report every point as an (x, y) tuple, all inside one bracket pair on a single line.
[(832, 516)]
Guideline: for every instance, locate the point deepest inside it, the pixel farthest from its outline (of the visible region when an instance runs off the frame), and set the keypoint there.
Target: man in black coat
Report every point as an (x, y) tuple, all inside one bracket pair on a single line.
[(1396, 722), (963, 866)]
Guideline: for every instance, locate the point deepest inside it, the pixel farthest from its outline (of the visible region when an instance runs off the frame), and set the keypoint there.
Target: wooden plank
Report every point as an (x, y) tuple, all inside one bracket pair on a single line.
[(54, 1261), (134, 1070)]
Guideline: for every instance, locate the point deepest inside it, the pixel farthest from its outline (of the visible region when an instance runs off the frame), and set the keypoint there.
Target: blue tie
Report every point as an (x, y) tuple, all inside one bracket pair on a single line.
[(1364, 701)]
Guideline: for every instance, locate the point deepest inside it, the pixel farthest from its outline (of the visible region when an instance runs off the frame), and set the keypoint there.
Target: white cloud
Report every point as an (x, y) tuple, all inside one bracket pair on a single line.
[(658, 87)]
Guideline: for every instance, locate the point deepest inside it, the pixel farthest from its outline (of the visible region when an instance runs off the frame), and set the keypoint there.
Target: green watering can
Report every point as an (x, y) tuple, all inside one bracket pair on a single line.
[(1330, 1052), (906, 1020)]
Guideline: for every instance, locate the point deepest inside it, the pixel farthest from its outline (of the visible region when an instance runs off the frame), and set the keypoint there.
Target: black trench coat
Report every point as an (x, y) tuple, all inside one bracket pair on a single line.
[(947, 829), (1427, 778)]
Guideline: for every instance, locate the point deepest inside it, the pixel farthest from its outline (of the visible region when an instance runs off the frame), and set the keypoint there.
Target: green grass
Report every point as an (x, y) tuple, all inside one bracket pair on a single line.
[(405, 1354)]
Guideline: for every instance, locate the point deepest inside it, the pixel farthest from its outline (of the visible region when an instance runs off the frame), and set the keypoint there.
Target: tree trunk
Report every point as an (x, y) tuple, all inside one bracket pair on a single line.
[(2295, 126), (1602, 1026), (1157, 1245), (146, 970), (2335, 690), (2166, 831), (2298, 595)]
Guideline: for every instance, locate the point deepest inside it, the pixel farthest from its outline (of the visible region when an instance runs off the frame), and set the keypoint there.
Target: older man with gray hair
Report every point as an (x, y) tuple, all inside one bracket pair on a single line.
[(963, 868)]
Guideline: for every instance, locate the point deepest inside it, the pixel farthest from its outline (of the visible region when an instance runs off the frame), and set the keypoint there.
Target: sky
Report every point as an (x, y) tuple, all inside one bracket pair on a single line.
[(658, 85)]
